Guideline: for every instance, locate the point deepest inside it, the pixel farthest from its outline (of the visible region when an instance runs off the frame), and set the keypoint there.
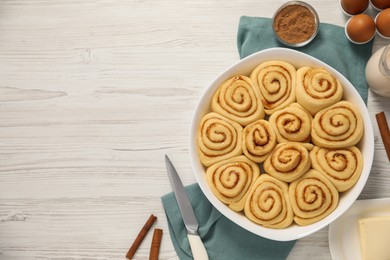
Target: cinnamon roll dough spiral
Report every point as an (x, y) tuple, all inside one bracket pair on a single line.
[(276, 83), (219, 138), (317, 88), (268, 204), (342, 166), (292, 124), (313, 197), (288, 161), (239, 100), (258, 140), (337, 126), (230, 180)]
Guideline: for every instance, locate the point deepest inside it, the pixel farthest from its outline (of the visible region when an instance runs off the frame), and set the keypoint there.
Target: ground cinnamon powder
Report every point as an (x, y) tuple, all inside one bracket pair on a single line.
[(294, 24)]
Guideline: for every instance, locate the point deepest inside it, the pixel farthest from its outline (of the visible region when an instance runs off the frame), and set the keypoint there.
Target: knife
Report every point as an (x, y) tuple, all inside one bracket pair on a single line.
[(197, 248)]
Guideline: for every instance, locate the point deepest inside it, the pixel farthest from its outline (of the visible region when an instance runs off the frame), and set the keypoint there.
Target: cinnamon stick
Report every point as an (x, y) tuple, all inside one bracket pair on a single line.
[(384, 130), (156, 242), (141, 236)]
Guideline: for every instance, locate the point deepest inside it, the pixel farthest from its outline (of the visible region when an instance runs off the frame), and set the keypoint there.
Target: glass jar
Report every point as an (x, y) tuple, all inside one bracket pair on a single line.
[(378, 71)]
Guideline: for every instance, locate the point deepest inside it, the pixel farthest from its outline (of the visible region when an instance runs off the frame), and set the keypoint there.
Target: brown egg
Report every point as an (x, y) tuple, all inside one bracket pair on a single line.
[(383, 22), (353, 7), (360, 28), (381, 4)]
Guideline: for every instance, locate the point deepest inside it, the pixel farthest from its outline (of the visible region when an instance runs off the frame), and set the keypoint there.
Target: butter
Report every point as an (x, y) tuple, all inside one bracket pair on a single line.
[(375, 238)]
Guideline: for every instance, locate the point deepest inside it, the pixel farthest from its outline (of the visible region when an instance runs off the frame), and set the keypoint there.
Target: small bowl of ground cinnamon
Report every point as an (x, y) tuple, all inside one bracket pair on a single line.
[(296, 23)]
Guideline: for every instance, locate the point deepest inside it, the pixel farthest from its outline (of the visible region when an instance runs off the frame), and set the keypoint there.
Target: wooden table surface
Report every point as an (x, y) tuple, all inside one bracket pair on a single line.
[(92, 95)]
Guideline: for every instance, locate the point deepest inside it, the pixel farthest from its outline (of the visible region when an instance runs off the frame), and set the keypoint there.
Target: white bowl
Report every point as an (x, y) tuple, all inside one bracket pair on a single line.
[(366, 145)]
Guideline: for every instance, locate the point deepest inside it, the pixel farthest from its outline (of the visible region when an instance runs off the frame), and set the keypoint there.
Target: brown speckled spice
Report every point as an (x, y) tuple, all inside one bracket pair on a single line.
[(294, 24)]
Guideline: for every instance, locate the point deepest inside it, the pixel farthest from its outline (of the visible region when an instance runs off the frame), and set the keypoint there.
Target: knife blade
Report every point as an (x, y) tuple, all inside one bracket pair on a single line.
[(191, 224)]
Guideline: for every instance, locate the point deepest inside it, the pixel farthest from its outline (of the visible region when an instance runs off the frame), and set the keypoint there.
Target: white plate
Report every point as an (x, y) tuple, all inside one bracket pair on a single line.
[(344, 238), (366, 145)]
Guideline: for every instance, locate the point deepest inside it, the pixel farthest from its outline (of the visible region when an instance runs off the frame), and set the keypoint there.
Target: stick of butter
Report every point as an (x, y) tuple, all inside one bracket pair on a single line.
[(375, 238)]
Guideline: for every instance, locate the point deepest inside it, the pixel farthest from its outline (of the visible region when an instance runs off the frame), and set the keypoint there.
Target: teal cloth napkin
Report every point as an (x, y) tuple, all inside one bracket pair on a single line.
[(330, 46), (223, 239)]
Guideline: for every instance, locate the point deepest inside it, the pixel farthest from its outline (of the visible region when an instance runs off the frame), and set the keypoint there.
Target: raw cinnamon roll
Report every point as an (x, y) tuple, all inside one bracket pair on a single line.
[(276, 83), (288, 161), (317, 89), (258, 140), (268, 204), (292, 124), (219, 138), (341, 166), (239, 100), (231, 179), (313, 197), (337, 126)]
